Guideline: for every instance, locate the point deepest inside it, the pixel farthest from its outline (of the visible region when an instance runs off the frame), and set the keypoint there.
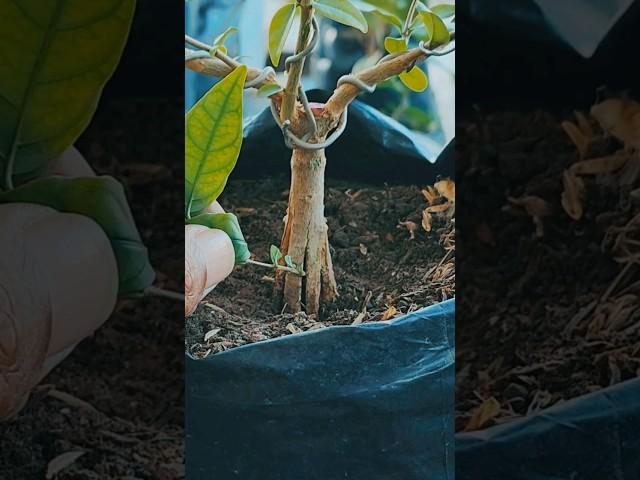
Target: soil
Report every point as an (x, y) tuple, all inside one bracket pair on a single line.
[(382, 272), (119, 396), (541, 319)]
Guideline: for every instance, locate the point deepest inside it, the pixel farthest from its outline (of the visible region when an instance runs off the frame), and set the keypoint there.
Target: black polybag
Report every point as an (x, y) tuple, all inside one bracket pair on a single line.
[(368, 402), (593, 437), (374, 147)]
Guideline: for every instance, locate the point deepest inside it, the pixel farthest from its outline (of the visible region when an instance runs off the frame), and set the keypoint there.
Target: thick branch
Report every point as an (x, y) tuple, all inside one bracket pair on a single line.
[(347, 93), (214, 67), (294, 75)]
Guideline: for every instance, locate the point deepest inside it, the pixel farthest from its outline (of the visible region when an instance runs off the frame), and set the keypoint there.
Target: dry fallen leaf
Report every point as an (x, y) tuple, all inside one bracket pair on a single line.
[(363, 249), (482, 415), (411, 228), (439, 208), (573, 195), (577, 137), (447, 189), (601, 165), (619, 117), (426, 220), (389, 313), (431, 195), (293, 329), (534, 206), (61, 462), (584, 125)]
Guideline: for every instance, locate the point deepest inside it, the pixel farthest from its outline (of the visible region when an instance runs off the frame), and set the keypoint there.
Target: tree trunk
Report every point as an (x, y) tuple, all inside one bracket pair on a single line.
[(305, 236)]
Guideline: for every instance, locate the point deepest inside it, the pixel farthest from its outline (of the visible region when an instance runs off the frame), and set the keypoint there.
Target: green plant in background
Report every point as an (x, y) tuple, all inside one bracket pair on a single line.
[(214, 127), (57, 57)]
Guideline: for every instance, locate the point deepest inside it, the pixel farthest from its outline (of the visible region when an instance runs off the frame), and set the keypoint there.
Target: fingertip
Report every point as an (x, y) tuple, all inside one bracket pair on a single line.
[(219, 254)]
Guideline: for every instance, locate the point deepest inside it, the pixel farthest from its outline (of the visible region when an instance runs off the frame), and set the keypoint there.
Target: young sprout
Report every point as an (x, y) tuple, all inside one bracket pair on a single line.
[(276, 256)]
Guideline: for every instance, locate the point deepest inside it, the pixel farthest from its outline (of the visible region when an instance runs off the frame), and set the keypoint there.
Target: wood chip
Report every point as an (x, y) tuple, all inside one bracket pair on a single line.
[(62, 462), (71, 400), (211, 333)]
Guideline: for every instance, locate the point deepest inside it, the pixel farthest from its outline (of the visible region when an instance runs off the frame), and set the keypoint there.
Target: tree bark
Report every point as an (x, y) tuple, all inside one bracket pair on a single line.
[(306, 237)]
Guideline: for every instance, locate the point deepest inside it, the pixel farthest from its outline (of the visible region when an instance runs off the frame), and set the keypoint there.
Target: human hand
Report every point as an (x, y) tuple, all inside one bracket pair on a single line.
[(209, 258), (58, 284)]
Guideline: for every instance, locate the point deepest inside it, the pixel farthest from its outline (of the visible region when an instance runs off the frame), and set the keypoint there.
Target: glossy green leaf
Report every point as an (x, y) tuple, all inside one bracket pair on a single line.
[(268, 90), (279, 30), (415, 80), (57, 56), (342, 11), (394, 7), (228, 223), (386, 15), (444, 10), (395, 45), (222, 38), (213, 137), (437, 31), (103, 200)]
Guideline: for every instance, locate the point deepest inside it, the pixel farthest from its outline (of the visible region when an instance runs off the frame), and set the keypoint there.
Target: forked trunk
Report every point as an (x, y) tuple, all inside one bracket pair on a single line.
[(306, 237)]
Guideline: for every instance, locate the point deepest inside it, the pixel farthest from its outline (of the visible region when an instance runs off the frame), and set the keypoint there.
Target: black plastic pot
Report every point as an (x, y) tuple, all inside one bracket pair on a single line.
[(374, 148), (370, 402), (593, 437)]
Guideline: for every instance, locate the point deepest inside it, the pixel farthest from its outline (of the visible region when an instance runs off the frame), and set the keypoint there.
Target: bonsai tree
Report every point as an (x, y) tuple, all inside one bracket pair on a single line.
[(214, 126)]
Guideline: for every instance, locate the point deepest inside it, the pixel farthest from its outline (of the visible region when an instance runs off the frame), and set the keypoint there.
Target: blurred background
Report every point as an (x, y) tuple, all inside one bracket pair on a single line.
[(430, 115)]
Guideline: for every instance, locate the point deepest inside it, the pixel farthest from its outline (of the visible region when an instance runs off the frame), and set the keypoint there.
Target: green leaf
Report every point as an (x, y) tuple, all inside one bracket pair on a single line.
[(275, 254), (444, 10), (415, 80), (342, 11), (222, 38), (228, 223), (57, 56), (390, 17), (269, 90), (395, 45), (103, 200), (213, 137), (289, 261), (437, 31), (279, 30)]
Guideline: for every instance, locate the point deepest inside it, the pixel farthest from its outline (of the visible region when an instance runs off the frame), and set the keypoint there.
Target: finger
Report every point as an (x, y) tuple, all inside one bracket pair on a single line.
[(195, 269), (215, 208), (71, 164), (209, 259)]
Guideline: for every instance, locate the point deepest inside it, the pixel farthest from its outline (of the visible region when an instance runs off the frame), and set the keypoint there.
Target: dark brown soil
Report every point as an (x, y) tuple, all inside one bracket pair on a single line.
[(540, 320), (377, 264), (130, 374)]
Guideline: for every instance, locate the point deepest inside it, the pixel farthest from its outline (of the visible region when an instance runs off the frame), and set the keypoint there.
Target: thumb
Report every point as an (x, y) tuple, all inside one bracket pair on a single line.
[(209, 258)]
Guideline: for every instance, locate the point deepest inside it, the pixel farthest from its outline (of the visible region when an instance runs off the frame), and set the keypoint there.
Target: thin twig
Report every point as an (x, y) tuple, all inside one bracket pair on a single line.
[(406, 28), (159, 292), (294, 75), (277, 267)]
